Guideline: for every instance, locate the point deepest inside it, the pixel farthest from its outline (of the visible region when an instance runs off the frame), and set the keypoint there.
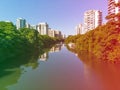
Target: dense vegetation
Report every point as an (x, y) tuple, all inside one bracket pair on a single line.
[(18, 48), (15, 42), (103, 42)]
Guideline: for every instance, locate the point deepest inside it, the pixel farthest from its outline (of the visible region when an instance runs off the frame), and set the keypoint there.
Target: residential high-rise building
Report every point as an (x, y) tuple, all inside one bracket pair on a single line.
[(79, 29), (63, 36), (58, 34), (51, 33), (113, 10), (55, 33), (28, 25), (113, 7), (92, 19), (21, 23), (43, 28)]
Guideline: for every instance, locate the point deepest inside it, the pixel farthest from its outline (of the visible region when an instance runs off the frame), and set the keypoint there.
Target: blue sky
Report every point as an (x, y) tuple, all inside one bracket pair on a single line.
[(61, 15)]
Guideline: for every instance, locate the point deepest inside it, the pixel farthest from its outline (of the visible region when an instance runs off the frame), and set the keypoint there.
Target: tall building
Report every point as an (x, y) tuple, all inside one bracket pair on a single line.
[(51, 33), (58, 34), (92, 19), (79, 29), (28, 25), (43, 28), (113, 10), (21, 23), (63, 36), (113, 7), (54, 33)]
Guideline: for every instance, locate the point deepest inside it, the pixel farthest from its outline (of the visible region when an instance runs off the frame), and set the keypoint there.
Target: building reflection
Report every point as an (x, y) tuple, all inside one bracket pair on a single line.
[(105, 76), (56, 48), (98, 74), (43, 57)]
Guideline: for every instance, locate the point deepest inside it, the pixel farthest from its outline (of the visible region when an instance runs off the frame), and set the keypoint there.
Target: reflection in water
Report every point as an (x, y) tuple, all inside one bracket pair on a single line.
[(108, 74), (99, 75), (13, 66), (56, 48), (55, 74), (10, 71), (62, 70), (45, 56)]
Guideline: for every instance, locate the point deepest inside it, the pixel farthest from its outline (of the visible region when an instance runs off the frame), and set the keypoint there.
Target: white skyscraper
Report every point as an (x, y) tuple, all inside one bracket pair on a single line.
[(92, 19), (43, 28), (79, 29), (21, 23)]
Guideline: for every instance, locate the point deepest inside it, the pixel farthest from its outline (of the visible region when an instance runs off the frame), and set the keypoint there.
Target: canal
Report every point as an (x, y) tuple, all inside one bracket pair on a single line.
[(60, 69)]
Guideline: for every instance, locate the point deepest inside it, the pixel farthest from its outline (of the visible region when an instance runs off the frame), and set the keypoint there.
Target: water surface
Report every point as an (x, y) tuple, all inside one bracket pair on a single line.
[(60, 69)]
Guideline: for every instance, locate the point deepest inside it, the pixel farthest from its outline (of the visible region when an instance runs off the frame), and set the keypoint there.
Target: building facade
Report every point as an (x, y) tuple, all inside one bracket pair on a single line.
[(21, 23), (54, 33), (92, 19), (113, 7), (43, 28), (51, 33), (79, 29), (28, 25), (58, 34)]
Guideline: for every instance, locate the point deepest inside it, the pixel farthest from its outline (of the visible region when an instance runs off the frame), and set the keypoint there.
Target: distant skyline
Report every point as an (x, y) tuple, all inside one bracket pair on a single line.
[(61, 15)]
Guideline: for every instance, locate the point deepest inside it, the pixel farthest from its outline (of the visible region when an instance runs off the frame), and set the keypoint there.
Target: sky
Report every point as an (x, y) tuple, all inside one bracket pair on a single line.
[(61, 15)]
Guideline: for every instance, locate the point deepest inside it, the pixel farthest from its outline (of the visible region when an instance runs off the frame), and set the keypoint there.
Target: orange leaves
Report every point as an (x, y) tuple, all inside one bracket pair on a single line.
[(104, 42)]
